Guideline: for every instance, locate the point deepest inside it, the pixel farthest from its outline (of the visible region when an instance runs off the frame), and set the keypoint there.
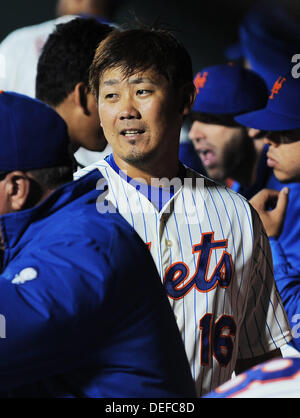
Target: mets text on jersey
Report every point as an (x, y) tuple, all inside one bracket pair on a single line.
[(178, 272)]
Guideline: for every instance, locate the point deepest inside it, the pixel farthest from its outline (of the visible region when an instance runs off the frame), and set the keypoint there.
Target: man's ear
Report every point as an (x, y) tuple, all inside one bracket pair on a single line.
[(81, 97), (17, 189), (254, 133), (188, 98)]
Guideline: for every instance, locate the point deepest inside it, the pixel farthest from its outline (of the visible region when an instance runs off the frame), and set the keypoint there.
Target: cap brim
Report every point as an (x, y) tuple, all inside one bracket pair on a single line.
[(266, 120)]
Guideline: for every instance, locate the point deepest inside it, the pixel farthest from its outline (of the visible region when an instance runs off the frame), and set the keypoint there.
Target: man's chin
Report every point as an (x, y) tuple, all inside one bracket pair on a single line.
[(138, 157), (285, 178)]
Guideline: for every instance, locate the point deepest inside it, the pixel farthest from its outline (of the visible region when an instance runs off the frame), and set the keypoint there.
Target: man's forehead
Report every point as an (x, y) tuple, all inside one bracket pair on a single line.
[(117, 75)]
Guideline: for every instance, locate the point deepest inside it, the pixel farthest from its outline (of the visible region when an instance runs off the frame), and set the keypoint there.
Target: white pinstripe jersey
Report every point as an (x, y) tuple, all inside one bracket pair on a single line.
[(215, 262)]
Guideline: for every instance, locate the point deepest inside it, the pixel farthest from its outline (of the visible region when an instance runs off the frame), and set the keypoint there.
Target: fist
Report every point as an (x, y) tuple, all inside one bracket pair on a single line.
[(273, 218)]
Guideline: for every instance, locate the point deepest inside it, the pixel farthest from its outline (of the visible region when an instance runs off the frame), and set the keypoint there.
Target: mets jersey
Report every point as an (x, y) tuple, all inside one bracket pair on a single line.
[(214, 260), (278, 378)]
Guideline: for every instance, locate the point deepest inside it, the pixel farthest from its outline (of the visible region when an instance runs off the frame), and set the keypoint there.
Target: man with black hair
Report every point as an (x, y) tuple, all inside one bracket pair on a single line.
[(79, 320), (62, 79), (207, 242), (21, 49), (229, 151)]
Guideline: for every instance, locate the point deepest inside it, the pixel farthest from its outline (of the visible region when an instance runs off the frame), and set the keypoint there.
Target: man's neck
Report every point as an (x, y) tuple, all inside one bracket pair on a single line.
[(167, 169)]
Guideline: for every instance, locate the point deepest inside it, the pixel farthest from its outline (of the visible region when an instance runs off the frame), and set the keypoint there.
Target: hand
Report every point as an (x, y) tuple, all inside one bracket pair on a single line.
[(271, 219)]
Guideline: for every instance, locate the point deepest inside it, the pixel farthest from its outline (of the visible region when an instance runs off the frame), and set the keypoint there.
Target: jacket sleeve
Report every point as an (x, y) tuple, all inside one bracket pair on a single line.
[(288, 283)]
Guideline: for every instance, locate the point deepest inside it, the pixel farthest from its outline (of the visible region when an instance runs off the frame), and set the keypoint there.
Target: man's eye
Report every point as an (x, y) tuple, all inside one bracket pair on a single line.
[(111, 96), (143, 91)]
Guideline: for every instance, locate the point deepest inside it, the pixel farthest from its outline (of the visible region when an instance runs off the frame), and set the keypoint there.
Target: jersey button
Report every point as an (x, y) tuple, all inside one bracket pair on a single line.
[(169, 243)]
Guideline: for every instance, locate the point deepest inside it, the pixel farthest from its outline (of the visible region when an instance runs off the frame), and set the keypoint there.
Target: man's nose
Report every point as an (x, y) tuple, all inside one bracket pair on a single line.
[(129, 110)]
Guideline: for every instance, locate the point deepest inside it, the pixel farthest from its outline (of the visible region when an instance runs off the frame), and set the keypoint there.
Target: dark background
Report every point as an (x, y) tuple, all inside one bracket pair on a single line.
[(206, 27)]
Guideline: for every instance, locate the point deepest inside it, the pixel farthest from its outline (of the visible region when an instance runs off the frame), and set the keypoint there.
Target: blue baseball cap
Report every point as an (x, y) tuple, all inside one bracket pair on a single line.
[(282, 111), (33, 135), (268, 38), (229, 89)]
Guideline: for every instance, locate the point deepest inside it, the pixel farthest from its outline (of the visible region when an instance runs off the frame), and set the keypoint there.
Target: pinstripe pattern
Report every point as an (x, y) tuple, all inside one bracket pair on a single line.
[(251, 299)]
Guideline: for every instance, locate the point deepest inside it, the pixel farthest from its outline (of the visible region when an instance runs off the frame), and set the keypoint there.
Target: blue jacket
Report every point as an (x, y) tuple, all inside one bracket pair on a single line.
[(286, 258), (285, 249), (84, 309)]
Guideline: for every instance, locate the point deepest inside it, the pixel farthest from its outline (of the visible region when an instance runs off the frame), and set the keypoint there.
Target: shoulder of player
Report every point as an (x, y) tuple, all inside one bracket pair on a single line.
[(27, 33), (215, 188), (96, 165), (81, 229)]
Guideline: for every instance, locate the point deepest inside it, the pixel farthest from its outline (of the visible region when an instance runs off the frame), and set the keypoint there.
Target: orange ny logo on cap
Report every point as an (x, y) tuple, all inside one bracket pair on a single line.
[(200, 81), (277, 86)]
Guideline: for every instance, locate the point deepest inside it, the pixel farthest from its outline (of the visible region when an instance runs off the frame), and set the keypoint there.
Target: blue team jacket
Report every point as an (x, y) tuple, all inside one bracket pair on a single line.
[(285, 249), (83, 310)]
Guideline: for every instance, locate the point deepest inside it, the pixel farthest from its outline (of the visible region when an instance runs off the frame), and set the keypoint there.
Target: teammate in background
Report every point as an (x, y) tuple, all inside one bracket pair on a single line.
[(281, 119), (229, 151), (62, 79), (262, 173), (21, 49), (207, 242), (80, 321), (103, 9), (278, 378), (268, 38)]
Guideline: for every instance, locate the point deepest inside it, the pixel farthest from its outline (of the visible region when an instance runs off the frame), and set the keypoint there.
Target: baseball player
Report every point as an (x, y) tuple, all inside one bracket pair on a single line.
[(230, 153), (278, 378), (76, 318), (207, 242), (21, 49), (268, 38), (281, 119), (62, 81)]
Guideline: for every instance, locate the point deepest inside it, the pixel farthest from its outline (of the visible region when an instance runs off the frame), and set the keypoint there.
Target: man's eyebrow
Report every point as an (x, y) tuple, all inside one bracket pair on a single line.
[(140, 80), (111, 82)]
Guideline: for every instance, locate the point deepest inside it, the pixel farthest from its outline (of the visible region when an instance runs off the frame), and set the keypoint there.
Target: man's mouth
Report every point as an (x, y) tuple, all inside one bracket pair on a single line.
[(270, 161), (131, 133), (208, 157)]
